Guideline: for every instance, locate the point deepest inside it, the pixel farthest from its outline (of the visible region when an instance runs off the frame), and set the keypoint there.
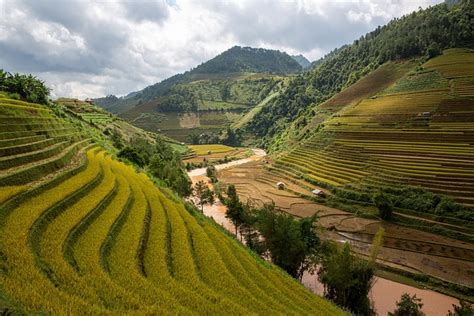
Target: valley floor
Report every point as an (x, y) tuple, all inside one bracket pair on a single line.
[(405, 249)]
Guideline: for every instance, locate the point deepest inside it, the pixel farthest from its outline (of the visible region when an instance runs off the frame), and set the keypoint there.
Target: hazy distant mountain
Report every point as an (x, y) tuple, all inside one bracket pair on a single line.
[(303, 61)]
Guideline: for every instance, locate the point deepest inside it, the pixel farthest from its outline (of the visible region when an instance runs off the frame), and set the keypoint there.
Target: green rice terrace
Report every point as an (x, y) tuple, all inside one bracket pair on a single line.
[(414, 134), (82, 233)]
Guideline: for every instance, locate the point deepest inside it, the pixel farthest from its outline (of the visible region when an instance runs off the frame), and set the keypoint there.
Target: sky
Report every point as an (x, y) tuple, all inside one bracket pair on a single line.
[(92, 48)]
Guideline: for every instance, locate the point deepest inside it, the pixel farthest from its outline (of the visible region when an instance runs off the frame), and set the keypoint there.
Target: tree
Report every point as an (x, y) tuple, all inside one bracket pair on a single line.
[(464, 309), (225, 92), (347, 280), (232, 138), (292, 243), (235, 208), (193, 138), (132, 155), (203, 194), (27, 87), (384, 205), (211, 173), (408, 306)]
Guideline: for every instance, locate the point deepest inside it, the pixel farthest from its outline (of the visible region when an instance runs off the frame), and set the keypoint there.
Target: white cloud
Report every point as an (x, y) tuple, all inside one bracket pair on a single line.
[(92, 48)]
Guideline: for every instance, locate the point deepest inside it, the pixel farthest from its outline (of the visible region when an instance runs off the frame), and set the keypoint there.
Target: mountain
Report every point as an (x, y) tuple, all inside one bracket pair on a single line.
[(210, 97), (421, 33), (234, 60), (390, 117), (300, 59), (248, 59)]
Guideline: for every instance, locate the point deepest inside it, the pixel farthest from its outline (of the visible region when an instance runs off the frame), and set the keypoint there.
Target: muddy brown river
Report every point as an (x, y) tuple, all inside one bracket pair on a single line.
[(384, 292)]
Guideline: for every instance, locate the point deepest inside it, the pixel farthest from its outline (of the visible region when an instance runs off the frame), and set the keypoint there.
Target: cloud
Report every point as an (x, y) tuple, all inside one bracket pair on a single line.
[(92, 48)]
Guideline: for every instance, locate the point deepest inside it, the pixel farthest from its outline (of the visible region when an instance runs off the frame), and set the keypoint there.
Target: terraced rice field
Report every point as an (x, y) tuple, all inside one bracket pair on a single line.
[(213, 152), (419, 131), (403, 248), (81, 233)]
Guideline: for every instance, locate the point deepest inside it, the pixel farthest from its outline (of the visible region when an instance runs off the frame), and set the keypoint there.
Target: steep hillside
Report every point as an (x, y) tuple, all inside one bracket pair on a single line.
[(407, 139), (206, 105), (208, 98), (82, 233), (421, 33)]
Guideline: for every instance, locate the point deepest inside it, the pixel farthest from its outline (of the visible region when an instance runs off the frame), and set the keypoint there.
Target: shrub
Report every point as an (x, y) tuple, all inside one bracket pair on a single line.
[(133, 155), (384, 205)]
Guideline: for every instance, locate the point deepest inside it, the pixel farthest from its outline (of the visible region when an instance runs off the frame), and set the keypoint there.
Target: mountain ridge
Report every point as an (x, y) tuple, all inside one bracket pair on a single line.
[(234, 60)]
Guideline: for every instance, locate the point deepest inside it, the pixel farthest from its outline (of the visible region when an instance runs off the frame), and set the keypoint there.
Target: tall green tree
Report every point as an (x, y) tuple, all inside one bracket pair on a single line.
[(384, 205), (292, 244), (203, 194), (408, 306), (347, 280), (235, 208)]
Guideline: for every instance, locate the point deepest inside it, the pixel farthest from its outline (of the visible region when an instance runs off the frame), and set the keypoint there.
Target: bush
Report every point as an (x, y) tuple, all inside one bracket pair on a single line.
[(384, 205), (132, 155), (24, 87)]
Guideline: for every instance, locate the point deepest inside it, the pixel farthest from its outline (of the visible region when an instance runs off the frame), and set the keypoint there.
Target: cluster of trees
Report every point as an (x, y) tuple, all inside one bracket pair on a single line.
[(159, 159), (292, 244), (178, 99), (425, 32), (24, 87), (295, 246), (229, 137)]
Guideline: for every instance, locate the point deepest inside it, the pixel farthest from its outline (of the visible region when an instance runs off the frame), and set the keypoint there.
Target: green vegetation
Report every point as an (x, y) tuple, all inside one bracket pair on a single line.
[(293, 244), (24, 87), (211, 81), (463, 309), (82, 233), (413, 35), (347, 280), (408, 144), (384, 205), (247, 59), (408, 306), (203, 194)]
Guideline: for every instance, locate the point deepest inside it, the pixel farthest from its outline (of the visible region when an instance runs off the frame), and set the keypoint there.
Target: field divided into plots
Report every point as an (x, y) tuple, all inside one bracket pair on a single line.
[(81, 233), (213, 153), (419, 132)]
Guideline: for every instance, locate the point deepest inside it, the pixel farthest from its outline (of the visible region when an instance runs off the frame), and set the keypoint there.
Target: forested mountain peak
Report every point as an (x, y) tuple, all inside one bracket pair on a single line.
[(248, 59)]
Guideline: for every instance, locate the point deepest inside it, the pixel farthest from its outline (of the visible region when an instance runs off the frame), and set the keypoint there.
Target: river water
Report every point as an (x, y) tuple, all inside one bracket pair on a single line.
[(384, 292)]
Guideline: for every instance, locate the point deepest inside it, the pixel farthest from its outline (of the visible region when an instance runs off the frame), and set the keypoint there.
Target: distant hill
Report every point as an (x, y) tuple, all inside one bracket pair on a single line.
[(234, 60), (303, 61), (248, 59)]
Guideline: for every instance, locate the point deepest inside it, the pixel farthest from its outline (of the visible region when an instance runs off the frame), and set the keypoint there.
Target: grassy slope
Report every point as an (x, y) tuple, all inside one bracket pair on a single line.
[(97, 237)]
